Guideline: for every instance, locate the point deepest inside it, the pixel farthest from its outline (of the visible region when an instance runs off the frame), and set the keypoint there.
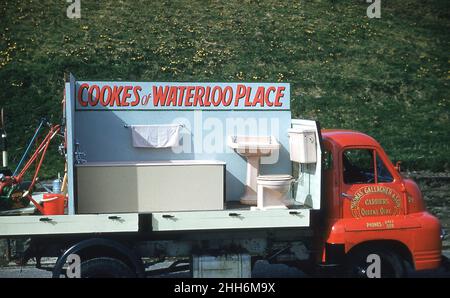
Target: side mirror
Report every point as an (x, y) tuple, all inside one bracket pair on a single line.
[(398, 166)]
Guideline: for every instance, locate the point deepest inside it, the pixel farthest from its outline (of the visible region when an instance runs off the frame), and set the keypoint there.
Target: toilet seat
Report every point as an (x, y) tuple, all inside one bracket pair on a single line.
[(275, 180)]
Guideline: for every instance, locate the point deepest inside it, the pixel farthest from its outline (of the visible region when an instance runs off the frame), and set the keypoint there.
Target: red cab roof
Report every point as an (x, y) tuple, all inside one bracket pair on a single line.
[(344, 138)]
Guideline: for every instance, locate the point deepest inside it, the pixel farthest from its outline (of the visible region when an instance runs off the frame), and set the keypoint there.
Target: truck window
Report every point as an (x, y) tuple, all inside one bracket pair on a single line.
[(358, 166), (383, 174)]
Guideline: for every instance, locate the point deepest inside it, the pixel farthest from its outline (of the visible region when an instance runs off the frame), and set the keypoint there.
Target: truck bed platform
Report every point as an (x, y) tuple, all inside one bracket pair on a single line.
[(237, 217), (68, 224)]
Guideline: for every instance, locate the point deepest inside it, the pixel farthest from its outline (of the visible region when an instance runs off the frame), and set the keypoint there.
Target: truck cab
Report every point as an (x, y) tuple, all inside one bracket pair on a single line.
[(372, 209)]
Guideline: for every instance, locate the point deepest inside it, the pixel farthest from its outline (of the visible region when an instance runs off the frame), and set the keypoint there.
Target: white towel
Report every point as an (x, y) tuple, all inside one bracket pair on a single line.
[(155, 136)]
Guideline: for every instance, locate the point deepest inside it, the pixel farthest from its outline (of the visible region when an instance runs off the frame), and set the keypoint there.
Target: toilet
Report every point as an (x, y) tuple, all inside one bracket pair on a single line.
[(274, 191)]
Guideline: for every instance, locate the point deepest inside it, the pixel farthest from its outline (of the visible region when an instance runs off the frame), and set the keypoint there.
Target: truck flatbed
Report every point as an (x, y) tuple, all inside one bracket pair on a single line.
[(237, 217), (29, 225)]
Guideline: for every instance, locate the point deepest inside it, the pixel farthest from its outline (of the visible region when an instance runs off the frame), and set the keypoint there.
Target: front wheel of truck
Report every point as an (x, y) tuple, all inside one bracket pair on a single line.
[(372, 263)]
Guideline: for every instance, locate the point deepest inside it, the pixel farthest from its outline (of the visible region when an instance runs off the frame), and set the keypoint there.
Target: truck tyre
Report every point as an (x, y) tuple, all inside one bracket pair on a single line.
[(105, 268), (392, 265)]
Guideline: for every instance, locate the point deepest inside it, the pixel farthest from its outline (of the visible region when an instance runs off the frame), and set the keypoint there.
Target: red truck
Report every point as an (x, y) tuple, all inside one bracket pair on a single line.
[(373, 209), (354, 213), (368, 208)]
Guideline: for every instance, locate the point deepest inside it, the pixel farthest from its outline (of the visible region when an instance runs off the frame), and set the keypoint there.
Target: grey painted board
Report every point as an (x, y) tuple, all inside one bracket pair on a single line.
[(70, 128), (230, 219), (68, 224)]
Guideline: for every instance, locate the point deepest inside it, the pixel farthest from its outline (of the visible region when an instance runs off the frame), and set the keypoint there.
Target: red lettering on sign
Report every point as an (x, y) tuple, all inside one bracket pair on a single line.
[(240, 93), (259, 97), (189, 96), (207, 102), (104, 102), (160, 95), (181, 96), (93, 98), (278, 96), (80, 95), (218, 91), (137, 98), (267, 96), (115, 96), (228, 92), (198, 96), (126, 95), (247, 97), (172, 98)]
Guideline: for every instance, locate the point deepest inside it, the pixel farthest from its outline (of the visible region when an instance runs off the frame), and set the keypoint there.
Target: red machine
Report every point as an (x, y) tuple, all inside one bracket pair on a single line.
[(14, 194)]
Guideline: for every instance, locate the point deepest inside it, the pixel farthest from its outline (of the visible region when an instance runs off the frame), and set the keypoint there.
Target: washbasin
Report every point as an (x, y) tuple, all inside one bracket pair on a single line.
[(252, 147)]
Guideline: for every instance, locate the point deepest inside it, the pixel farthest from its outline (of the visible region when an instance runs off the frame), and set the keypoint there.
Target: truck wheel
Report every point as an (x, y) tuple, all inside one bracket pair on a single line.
[(106, 268), (391, 265)]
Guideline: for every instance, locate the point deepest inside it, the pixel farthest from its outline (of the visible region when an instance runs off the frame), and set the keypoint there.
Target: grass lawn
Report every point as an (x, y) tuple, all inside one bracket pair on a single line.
[(388, 77)]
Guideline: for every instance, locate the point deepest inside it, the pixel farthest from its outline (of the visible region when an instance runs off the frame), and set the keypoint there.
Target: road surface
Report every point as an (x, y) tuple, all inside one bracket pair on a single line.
[(261, 270)]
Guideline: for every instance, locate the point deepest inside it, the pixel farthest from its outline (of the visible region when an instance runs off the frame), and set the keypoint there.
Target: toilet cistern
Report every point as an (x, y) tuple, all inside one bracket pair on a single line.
[(252, 147)]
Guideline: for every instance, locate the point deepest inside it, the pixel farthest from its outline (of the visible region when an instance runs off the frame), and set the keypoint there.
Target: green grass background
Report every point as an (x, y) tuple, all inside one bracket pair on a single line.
[(387, 77)]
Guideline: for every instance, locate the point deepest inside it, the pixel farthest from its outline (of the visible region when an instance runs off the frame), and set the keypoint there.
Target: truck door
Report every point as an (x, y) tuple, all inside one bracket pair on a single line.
[(368, 188)]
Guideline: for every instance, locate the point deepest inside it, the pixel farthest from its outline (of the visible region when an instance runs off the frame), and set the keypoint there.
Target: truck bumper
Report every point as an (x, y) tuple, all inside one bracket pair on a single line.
[(427, 252), (427, 260)]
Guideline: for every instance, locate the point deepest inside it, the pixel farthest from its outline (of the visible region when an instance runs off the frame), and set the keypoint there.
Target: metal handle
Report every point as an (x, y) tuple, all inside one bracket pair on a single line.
[(168, 216), (347, 196), (114, 217), (45, 219), (234, 214)]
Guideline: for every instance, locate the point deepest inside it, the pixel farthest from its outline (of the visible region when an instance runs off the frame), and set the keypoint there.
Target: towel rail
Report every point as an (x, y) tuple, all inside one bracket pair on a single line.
[(128, 125)]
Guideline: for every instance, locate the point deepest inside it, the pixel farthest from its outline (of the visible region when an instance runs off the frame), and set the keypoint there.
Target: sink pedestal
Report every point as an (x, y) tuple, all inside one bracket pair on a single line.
[(250, 195), (252, 148)]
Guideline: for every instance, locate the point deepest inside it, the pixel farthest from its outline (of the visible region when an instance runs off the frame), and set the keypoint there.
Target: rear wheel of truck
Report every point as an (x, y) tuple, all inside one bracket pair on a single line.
[(106, 268), (364, 264)]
